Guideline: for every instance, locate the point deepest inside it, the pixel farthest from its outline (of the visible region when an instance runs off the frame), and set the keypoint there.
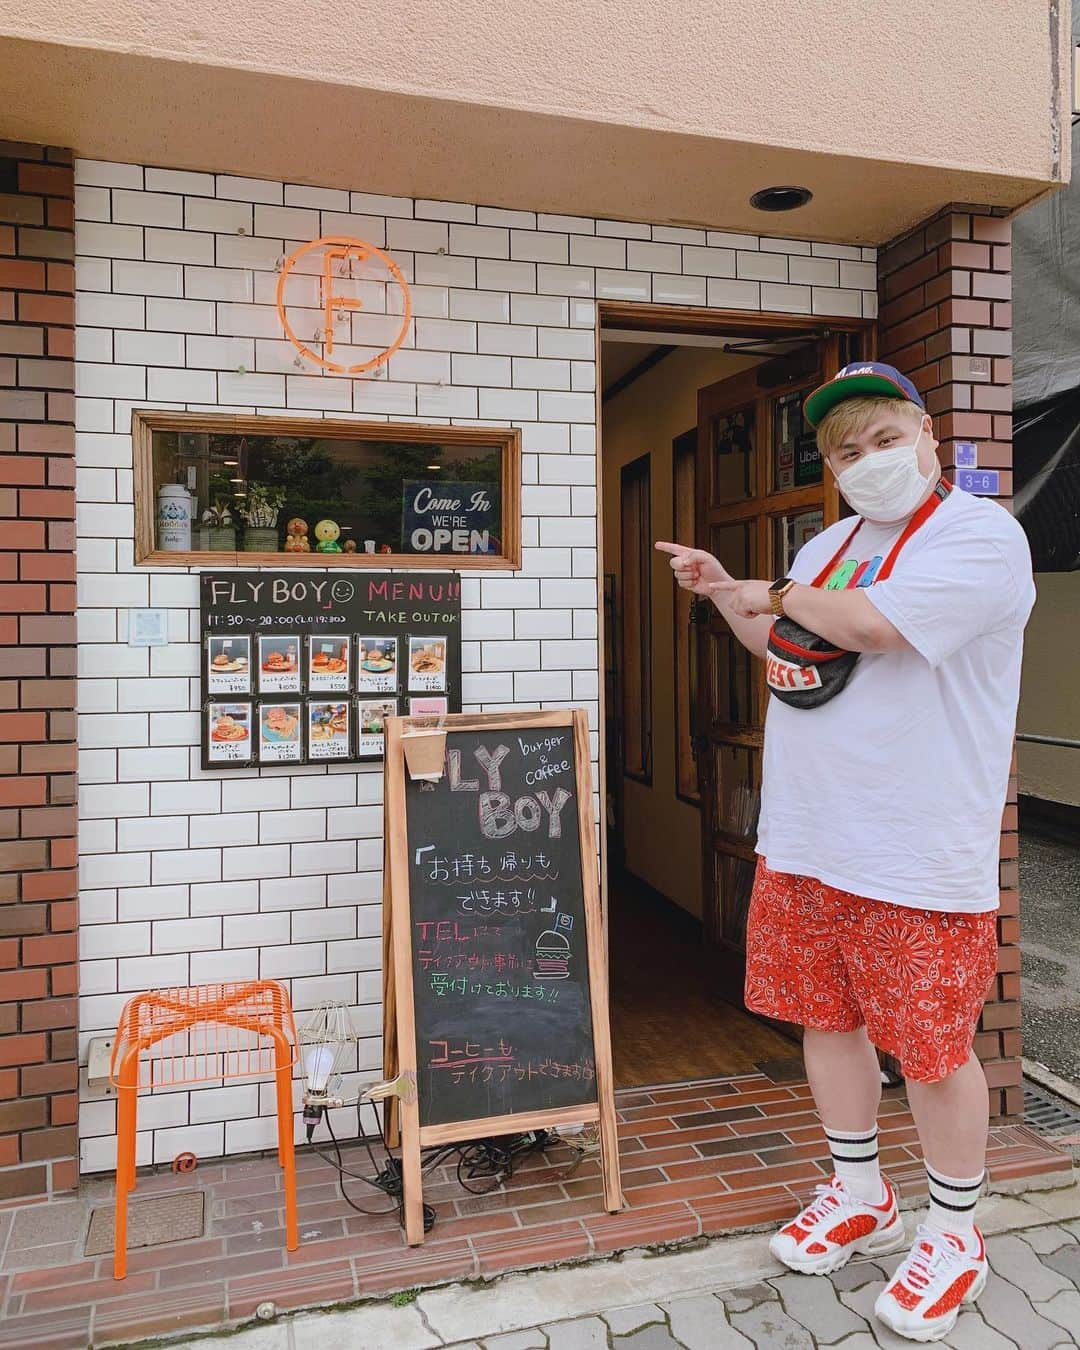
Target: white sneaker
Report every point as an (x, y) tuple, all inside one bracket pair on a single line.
[(943, 1271), (835, 1226)]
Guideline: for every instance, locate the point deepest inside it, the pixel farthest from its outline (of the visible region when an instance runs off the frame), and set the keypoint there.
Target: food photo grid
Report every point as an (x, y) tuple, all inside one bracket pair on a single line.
[(316, 697)]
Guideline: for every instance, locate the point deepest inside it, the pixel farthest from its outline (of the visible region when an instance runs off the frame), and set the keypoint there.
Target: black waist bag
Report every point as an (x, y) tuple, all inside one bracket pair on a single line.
[(803, 669)]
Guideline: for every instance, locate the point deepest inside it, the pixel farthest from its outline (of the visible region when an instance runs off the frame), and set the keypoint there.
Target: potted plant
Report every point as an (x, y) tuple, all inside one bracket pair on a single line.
[(260, 510), (219, 529)]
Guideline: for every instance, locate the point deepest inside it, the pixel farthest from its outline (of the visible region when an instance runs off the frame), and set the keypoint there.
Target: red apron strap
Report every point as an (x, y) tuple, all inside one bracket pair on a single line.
[(921, 516), (940, 492), (821, 577)]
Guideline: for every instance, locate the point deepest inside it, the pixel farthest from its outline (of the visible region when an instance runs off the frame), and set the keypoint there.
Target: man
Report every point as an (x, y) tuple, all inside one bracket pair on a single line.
[(872, 920)]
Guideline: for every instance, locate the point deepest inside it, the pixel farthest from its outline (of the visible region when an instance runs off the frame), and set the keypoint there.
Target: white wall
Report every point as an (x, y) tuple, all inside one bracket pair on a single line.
[(189, 876)]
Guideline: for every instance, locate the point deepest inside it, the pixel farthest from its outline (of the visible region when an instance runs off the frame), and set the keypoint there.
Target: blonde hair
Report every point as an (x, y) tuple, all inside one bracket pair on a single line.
[(854, 415)]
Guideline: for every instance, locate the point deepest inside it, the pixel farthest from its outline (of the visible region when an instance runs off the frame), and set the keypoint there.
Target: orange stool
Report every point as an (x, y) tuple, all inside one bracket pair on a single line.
[(173, 1037)]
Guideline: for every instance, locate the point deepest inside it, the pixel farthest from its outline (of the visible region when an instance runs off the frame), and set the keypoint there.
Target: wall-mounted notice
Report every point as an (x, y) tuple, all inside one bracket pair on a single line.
[(328, 658), (499, 979)]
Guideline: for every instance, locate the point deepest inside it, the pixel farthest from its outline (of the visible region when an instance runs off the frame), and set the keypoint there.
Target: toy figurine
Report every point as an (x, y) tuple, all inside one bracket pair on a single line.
[(349, 546), (327, 532), (296, 536)]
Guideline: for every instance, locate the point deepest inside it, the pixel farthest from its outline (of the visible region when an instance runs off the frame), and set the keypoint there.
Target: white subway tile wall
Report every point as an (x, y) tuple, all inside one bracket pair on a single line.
[(190, 876)]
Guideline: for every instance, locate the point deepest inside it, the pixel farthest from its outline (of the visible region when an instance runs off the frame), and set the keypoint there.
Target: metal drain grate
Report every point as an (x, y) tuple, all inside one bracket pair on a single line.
[(1047, 1114), (152, 1220)]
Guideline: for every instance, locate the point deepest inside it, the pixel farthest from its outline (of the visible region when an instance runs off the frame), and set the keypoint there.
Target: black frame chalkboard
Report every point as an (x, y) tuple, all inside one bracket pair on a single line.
[(324, 616)]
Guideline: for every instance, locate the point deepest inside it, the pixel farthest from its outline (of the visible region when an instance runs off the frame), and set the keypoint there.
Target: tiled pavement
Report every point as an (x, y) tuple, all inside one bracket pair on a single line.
[(730, 1295), (1031, 1303), (697, 1160)]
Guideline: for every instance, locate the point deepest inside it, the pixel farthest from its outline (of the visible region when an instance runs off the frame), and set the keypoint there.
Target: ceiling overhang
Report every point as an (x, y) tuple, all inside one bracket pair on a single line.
[(148, 109)]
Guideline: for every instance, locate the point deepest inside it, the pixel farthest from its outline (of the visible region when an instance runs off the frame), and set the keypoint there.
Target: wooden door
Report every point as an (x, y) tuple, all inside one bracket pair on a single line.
[(760, 495)]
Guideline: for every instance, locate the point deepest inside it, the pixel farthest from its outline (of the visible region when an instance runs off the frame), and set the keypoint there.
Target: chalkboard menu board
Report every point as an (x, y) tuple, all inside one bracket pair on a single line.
[(305, 668), (500, 962), (497, 978)]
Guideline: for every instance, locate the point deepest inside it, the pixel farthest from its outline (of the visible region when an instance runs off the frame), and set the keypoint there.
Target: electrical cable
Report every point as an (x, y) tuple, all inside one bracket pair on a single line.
[(489, 1162)]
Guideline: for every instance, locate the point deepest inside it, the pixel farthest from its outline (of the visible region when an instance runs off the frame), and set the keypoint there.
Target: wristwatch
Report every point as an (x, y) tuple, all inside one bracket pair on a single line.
[(777, 591)]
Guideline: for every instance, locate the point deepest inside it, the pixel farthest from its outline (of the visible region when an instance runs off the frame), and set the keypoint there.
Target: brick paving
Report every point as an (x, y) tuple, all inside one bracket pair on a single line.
[(698, 1160)]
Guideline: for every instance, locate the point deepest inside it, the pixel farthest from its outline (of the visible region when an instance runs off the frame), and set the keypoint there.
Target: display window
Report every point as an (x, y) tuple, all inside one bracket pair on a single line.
[(223, 489)]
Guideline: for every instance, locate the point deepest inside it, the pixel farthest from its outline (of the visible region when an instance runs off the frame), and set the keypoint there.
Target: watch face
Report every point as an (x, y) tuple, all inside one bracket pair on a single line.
[(780, 583)]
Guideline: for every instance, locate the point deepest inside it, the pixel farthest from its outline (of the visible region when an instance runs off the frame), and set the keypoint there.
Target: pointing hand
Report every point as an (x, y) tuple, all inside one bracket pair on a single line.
[(695, 570)]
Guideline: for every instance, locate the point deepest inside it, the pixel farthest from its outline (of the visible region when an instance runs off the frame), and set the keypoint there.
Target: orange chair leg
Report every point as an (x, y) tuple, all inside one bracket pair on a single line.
[(126, 1105), (286, 1147)]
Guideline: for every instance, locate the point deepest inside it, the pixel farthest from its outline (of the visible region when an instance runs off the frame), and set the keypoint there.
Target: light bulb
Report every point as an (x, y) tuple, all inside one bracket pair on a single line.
[(318, 1064)]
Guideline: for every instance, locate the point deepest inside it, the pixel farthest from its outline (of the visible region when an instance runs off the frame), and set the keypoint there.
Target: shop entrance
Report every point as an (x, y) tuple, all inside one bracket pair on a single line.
[(702, 441)]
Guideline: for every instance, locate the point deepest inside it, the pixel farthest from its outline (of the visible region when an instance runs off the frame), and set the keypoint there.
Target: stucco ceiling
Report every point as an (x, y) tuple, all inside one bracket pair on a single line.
[(139, 108)]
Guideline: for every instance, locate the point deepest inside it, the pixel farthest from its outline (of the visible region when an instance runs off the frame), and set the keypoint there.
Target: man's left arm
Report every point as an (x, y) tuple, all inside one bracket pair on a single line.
[(939, 599), (846, 618)]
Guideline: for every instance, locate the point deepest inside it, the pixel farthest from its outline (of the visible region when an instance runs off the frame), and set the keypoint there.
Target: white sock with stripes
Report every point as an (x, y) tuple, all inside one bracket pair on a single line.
[(855, 1162), (952, 1202)]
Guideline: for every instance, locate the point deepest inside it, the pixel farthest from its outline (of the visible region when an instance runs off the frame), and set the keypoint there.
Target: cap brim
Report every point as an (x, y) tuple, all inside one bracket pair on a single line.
[(824, 399)]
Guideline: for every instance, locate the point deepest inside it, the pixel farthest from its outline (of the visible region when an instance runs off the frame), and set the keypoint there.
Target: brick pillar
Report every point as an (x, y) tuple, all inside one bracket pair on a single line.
[(38, 1049), (945, 320)]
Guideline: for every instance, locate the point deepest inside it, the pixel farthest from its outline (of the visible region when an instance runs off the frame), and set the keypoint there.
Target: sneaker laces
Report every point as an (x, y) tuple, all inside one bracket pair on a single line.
[(828, 1198), (932, 1252)]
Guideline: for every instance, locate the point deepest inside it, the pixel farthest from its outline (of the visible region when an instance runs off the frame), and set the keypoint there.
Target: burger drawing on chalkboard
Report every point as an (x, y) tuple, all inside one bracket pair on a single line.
[(552, 957)]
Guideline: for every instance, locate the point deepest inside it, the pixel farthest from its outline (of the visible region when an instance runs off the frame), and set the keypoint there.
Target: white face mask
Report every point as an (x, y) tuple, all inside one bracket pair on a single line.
[(885, 485)]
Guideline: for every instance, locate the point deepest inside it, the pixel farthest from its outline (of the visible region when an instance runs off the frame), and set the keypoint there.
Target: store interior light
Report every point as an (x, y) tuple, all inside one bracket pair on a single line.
[(434, 466), (780, 198), (230, 463)]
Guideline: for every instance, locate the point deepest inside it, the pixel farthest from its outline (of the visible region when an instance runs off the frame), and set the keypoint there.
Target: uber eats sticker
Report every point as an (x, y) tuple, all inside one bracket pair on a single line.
[(450, 517)]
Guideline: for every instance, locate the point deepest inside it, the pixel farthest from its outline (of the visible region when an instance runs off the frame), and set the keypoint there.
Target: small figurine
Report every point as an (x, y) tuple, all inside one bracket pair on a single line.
[(296, 536), (349, 546), (327, 532)]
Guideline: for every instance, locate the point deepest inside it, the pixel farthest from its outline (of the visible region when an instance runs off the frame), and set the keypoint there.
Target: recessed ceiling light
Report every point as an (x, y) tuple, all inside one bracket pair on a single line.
[(780, 198)]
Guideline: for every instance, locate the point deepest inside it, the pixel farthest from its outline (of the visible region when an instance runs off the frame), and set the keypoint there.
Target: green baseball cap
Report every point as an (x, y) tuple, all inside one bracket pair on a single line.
[(860, 379)]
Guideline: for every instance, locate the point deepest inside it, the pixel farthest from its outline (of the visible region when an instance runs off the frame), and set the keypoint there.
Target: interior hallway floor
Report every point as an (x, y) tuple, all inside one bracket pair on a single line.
[(668, 1021)]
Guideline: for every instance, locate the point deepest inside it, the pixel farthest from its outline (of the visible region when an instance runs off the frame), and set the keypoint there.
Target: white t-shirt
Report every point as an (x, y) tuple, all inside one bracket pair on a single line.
[(894, 789)]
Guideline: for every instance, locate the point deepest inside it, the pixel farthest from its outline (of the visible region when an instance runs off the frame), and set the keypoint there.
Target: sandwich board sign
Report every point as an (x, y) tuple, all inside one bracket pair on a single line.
[(495, 978)]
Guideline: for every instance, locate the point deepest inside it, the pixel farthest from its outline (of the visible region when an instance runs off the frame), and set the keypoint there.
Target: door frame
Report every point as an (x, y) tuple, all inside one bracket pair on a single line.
[(687, 320)]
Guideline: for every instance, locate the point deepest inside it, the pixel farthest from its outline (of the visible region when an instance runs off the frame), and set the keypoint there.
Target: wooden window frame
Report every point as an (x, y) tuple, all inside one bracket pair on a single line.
[(683, 449), (641, 469), (145, 421)]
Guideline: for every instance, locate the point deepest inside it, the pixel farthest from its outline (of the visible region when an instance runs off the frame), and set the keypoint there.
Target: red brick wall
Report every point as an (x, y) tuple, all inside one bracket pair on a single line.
[(945, 320), (38, 933)]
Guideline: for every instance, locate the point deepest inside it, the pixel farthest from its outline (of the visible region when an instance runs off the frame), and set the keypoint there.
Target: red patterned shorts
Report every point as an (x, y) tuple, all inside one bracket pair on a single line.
[(832, 961)]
